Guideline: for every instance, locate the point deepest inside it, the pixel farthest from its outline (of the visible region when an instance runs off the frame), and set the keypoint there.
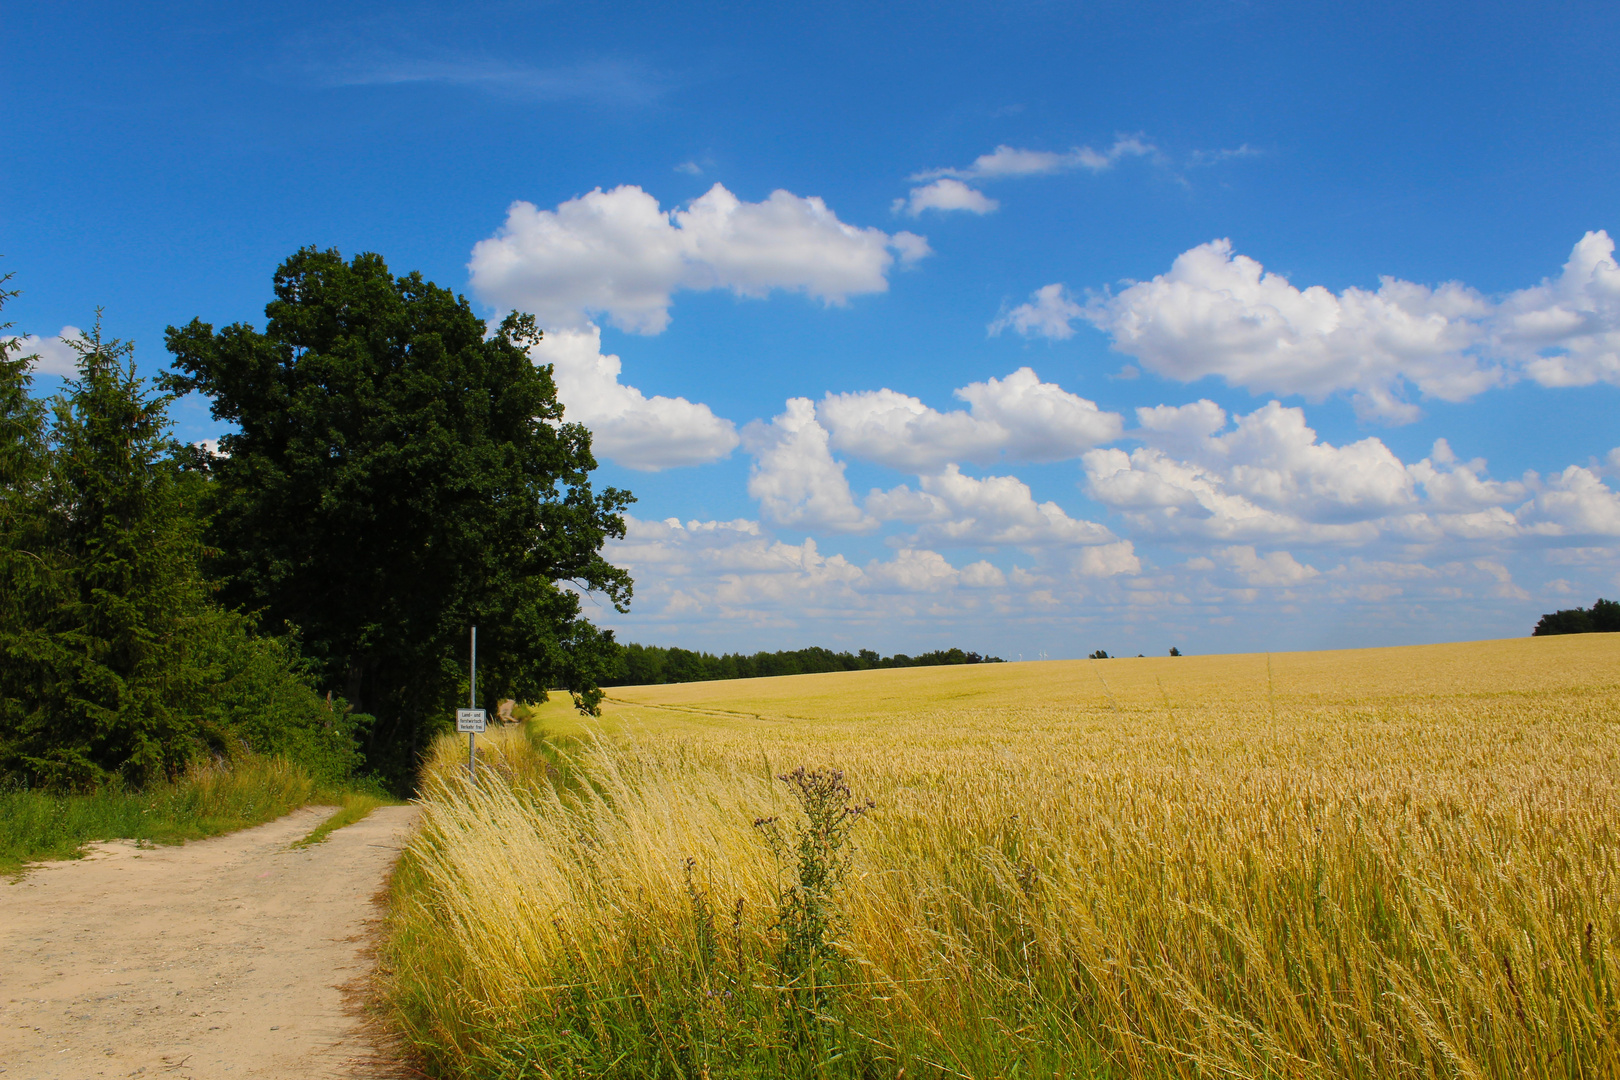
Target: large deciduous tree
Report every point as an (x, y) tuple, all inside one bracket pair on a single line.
[(394, 476)]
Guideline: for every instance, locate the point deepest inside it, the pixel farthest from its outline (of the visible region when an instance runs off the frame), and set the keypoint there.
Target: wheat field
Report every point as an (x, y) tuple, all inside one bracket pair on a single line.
[(1372, 863)]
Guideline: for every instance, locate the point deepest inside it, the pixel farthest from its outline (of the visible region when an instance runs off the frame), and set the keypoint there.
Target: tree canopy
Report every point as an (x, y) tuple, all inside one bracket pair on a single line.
[(1602, 618), (395, 475), (115, 665)]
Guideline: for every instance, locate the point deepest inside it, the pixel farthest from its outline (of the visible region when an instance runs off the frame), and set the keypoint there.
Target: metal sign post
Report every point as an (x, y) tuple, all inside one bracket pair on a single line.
[(471, 719)]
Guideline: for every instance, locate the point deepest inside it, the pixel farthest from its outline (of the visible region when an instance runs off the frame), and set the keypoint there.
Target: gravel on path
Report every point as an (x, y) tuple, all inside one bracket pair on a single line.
[(237, 956)]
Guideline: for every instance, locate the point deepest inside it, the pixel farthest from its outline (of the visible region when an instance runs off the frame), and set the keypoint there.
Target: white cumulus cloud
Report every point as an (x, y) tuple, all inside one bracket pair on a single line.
[(1575, 502), (620, 255), (1460, 486), (945, 194), (627, 426), (1268, 478), (734, 573), (794, 476), (1218, 313), (1019, 418), (958, 510), (1260, 571), (1050, 312), (1567, 330), (56, 357)]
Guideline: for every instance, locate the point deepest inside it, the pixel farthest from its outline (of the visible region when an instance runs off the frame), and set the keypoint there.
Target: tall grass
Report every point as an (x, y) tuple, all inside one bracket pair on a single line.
[(1183, 872), (206, 801)]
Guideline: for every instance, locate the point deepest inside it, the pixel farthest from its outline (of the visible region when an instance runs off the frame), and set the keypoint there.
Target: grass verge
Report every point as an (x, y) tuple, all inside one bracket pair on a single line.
[(206, 801), (354, 807)]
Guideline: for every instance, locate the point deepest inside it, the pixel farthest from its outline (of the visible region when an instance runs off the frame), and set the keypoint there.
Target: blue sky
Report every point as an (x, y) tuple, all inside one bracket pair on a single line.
[(1033, 328)]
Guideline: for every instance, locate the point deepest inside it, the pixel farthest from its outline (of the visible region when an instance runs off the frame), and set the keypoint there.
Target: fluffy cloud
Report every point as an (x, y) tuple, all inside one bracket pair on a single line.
[(1566, 331), (958, 510), (799, 483), (1573, 503), (1264, 571), (914, 571), (1108, 560), (1018, 418), (1219, 313), (619, 254), (1007, 161), (1049, 313), (721, 567), (1240, 574), (56, 356), (1270, 479), (734, 580), (1216, 313), (794, 476), (735, 573), (945, 194), (627, 426), (1459, 486)]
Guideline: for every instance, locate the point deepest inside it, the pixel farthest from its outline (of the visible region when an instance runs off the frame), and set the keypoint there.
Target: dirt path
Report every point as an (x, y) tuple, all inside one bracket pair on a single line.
[(223, 957)]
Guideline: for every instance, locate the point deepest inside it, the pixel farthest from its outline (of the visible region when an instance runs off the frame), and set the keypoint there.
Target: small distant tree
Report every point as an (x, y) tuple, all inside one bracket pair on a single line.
[(1100, 654), (1174, 651)]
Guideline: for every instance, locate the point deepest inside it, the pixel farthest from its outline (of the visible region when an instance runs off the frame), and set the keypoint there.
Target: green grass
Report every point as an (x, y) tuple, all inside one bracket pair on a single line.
[(207, 801), (355, 806)]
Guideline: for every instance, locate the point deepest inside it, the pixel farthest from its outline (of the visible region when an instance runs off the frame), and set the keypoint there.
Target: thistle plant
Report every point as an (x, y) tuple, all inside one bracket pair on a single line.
[(820, 852)]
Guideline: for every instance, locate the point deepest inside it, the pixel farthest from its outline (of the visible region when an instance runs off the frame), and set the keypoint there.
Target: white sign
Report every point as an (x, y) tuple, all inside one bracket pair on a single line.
[(470, 720)]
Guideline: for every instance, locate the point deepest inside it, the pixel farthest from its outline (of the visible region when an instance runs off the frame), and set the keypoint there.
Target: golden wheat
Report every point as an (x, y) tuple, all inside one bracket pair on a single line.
[(1375, 863)]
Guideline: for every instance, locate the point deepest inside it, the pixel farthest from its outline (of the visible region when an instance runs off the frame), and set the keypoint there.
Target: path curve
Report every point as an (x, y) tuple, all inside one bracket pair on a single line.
[(230, 957)]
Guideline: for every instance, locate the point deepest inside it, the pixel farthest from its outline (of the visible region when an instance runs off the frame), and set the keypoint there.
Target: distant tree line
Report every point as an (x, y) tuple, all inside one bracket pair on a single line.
[(1602, 617), (641, 665), (1102, 654)]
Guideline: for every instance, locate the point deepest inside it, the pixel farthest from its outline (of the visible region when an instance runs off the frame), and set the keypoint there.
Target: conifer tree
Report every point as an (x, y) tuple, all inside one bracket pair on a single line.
[(104, 648), (29, 569)]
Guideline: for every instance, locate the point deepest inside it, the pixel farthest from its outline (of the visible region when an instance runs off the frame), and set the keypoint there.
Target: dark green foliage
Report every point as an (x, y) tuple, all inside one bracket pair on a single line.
[(1100, 654), (1602, 618), (252, 692), (115, 667), (104, 657), (643, 665), (28, 569), (1174, 651), (394, 477)]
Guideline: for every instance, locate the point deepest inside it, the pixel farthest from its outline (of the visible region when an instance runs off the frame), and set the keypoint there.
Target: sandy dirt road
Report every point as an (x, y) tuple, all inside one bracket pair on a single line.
[(229, 957)]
